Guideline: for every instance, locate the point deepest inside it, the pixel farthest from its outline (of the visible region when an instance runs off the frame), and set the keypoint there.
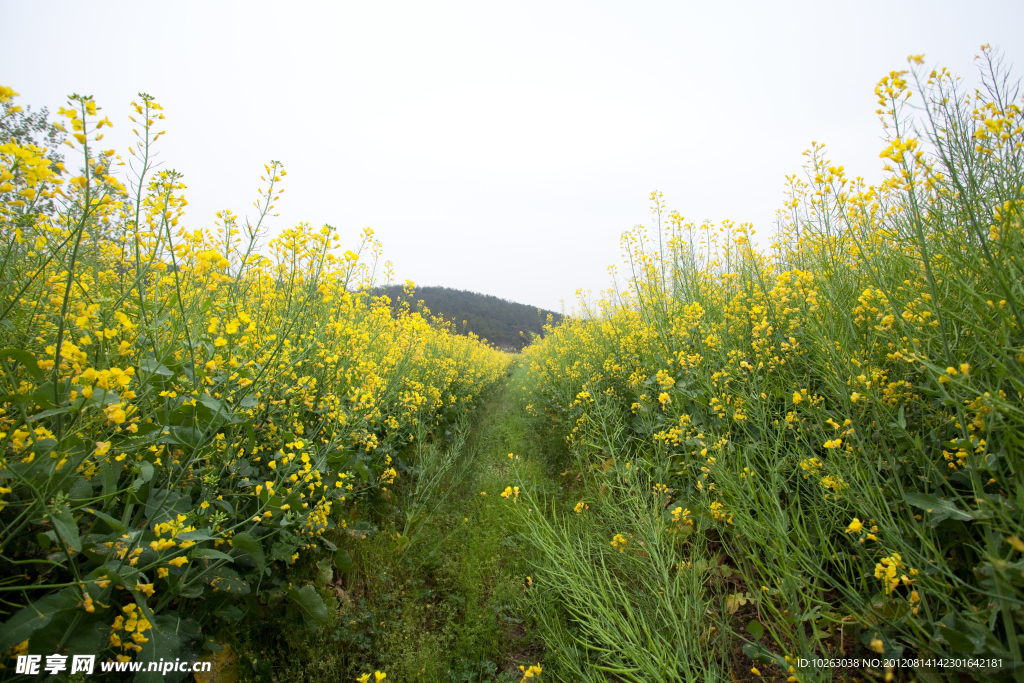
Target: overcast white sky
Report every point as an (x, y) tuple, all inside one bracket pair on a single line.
[(496, 147)]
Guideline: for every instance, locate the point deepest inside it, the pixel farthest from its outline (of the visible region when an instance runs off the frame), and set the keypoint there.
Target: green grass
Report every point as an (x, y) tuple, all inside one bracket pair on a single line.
[(446, 600)]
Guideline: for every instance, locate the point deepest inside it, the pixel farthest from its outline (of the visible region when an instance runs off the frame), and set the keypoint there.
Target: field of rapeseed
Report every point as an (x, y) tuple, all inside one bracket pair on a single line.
[(185, 418), (796, 464), (812, 453)]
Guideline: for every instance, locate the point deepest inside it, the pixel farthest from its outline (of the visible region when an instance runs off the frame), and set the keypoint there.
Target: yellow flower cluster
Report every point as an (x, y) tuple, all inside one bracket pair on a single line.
[(888, 572), (132, 624), (679, 514), (533, 671)]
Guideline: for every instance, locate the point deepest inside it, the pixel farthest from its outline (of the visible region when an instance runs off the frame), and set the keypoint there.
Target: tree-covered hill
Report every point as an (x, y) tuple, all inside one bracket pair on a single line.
[(506, 324)]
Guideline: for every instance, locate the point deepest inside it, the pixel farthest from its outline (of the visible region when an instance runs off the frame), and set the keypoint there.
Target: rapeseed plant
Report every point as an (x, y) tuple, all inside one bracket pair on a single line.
[(185, 414), (868, 365)]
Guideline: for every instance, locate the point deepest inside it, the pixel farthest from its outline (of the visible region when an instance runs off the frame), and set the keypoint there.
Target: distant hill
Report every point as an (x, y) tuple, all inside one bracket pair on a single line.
[(496, 320)]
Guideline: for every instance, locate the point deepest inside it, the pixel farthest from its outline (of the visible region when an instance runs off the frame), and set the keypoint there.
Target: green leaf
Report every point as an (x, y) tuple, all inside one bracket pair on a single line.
[(81, 489), (163, 643), (186, 436), (224, 663), (138, 492), (109, 475), (49, 413), (104, 398), (26, 359), (153, 367), (339, 460), (164, 505), (246, 543), (938, 508), (762, 655), (225, 579), (229, 613), (113, 523), (214, 404), (44, 396), (200, 535), (957, 641), (312, 605), (146, 429), (193, 591), (968, 636), (88, 637), (755, 629), (37, 615), (343, 561), (282, 550), (360, 467), (147, 470), (209, 554), (66, 527), (20, 400)]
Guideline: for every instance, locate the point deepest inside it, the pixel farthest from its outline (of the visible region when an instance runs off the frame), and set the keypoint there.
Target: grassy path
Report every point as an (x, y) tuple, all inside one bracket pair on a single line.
[(468, 571), (444, 600)]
